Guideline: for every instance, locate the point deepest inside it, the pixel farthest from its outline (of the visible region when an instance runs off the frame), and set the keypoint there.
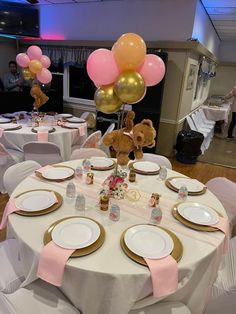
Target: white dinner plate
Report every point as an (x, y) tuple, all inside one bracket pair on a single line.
[(35, 201), (43, 128), (101, 162), (191, 184), (76, 233), (75, 120), (9, 115), (71, 125), (4, 120), (57, 173), (148, 241), (64, 115), (198, 213), (146, 166), (9, 126)]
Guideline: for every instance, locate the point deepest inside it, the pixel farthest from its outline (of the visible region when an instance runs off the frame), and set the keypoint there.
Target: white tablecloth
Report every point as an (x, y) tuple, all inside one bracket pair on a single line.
[(217, 113), (63, 137), (107, 281)]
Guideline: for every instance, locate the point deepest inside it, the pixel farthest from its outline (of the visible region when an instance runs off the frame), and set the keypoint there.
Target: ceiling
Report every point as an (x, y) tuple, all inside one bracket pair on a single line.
[(56, 1)]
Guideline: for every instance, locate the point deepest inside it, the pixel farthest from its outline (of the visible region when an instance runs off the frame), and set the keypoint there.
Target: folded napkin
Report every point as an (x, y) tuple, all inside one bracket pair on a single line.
[(82, 130), (10, 208), (164, 274), (42, 136), (223, 225), (40, 170), (1, 132), (52, 263)]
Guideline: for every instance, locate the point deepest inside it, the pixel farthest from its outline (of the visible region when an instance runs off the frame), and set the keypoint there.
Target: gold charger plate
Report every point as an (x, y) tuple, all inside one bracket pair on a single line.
[(170, 186), (104, 168), (68, 127), (13, 129), (44, 211), (50, 131), (80, 252), (191, 224), (39, 175), (177, 252), (143, 172)]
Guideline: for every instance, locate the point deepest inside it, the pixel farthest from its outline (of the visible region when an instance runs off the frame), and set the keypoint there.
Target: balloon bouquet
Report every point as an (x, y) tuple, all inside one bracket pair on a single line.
[(35, 67)]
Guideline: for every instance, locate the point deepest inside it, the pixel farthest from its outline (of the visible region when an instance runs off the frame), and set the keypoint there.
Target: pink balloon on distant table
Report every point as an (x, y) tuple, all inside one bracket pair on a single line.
[(102, 67), (152, 70), (45, 61), (22, 60), (45, 76), (34, 53)]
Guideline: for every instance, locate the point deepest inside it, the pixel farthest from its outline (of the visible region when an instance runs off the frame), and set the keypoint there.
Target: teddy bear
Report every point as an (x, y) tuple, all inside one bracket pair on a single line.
[(131, 138), (38, 95)]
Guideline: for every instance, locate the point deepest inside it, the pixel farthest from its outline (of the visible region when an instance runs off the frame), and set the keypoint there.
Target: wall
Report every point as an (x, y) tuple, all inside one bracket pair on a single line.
[(7, 53), (204, 31), (227, 51), (152, 19), (224, 81)]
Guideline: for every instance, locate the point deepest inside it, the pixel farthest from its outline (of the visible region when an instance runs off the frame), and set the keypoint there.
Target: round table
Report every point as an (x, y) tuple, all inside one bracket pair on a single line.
[(107, 281), (63, 137)]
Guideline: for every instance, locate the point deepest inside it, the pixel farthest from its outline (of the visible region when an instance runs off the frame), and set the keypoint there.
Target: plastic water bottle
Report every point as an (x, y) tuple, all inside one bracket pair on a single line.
[(183, 193), (114, 212), (156, 216), (78, 173), (80, 202), (70, 190), (163, 173)]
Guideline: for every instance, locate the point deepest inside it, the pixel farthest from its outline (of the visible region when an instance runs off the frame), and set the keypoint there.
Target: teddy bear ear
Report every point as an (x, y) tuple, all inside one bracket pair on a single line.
[(147, 122)]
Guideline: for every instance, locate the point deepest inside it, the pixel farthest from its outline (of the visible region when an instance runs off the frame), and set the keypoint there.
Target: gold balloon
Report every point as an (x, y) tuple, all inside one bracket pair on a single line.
[(27, 74), (106, 100), (130, 87), (129, 51), (35, 66)]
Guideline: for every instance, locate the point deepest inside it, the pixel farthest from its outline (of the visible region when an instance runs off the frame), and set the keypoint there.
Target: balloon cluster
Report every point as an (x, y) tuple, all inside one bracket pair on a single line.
[(123, 73), (35, 64)]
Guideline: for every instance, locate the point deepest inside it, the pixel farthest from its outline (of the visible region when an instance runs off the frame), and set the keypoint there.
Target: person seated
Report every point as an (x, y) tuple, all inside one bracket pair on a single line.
[(13, 81)]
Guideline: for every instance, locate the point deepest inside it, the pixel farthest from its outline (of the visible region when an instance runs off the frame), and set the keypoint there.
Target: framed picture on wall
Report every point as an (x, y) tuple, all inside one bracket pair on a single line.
[(191, 76)]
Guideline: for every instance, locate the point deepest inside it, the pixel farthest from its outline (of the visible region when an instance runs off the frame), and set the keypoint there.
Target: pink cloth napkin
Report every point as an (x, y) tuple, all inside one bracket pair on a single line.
[(223, 225), (52, 263), (10, 208), (1, 132), (164, 274), (42, 136), (82, 130)]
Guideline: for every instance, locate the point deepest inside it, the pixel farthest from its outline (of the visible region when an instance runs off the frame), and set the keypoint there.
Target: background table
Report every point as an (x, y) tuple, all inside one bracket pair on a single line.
[(107, 281), (217, 113)]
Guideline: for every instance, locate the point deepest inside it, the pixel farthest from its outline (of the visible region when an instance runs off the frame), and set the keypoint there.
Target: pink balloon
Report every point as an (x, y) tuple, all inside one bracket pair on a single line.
[(46, 62), (34, 53), (45, 76), (152, 70), (22, 60), (102, 67)]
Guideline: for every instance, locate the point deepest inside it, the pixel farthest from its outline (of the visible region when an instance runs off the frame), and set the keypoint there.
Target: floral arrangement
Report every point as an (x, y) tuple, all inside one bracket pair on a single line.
[(115, 185)]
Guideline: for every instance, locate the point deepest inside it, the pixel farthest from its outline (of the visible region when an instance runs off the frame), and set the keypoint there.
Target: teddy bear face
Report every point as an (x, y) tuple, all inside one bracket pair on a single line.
[(144, 133)]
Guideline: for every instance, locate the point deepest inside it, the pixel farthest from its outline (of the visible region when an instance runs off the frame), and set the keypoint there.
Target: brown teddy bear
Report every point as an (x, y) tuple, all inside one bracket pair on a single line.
[(38, 95), (131, 138)]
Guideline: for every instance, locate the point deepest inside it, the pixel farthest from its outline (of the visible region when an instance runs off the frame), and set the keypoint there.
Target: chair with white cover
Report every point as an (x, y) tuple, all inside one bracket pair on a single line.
[(8, 157), (17, 173), (92, 140), (11, 274), (197, 120), (222, 299), (82, 153), (45, 153), (163, 308), (225, 191), (100, 143), (204, 132), (158, 159), (204, 118), (39, 297)]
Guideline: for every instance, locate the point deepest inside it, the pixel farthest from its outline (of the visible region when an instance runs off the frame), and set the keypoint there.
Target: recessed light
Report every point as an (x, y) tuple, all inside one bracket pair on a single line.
[(2, 23)]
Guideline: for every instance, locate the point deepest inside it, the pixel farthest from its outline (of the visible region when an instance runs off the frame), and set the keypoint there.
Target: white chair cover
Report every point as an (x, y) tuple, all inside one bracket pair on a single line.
[(45, 153), (205, 133), (197, 120), (158, 159), (201, 112), (11, 275), (225, 191), (163, 308), (100, 143), (223, 299), (82, 153), (18, 172), (39, 298), (93, 140), (8, 157)]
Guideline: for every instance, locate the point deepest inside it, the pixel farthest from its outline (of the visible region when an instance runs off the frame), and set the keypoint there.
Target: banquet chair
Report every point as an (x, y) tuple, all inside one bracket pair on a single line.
[(197, 120), (222, 299), (225, 191), (17, 173), (11, 274), (204, 118), (158, 159), (163, 308), (92, 140), (39, 297), (8, 157), (101, 145), (45, 153), (82, 153)]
